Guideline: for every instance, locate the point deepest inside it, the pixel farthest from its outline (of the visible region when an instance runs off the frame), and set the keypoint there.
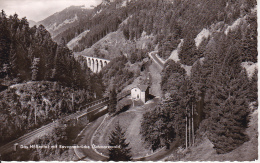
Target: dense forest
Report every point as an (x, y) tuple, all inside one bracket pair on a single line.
[(179, 19), (45, 81), (217, 97), (176, 20), (41, 58)]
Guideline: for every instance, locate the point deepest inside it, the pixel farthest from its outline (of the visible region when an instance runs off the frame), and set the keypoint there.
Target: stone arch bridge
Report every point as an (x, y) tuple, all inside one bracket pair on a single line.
[(96, 64)]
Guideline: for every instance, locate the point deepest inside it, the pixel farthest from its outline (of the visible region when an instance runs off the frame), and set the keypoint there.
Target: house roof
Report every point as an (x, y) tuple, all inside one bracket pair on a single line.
[(143, 87)]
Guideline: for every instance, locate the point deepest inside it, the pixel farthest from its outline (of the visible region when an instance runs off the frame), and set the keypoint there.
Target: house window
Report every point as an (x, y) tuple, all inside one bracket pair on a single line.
[(137, 95)]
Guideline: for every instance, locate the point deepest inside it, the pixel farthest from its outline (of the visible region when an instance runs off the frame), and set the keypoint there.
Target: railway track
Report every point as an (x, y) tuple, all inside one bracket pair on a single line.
[(31, 136)]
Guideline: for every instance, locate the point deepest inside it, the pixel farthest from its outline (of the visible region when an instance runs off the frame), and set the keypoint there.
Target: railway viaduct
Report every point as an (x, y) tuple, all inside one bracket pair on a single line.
[(96, 64)]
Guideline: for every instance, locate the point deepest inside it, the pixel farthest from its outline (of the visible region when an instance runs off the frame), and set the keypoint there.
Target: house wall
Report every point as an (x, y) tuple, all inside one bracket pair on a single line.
[(135, 93), (143, 97)]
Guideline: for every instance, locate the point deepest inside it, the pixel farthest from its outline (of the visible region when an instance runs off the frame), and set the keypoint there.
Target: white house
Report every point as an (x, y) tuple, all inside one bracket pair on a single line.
[(140, 92)]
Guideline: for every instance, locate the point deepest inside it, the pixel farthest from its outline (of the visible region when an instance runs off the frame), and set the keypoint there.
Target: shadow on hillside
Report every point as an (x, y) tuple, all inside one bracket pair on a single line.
[(124, 109), (150, 97)]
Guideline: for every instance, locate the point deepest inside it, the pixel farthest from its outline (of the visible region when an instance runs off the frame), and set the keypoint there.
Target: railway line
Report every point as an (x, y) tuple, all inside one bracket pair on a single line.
[(31, 136)]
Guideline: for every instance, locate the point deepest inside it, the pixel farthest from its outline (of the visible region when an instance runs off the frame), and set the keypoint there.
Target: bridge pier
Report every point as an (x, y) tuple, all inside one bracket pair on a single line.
[(93, 65), (89, 63), (96, 70), (100, 65)]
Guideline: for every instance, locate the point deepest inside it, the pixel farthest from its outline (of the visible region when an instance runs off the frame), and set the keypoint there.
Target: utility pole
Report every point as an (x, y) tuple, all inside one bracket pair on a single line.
[(72, 99), (186, 137), (189, 130), (193, 139), (35, 107), (35, 113)]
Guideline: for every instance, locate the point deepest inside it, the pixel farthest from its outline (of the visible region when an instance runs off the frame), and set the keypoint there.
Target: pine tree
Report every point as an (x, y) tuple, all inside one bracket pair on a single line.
[(121, 151), (249, 41), (151, 133), (112, 101), (172, 71), (60, 66), (5, 40), (189, 53), (199, 86), (174, 121), (196, 75), (14, 61), (228, 112), (253, 90), (35, 68)]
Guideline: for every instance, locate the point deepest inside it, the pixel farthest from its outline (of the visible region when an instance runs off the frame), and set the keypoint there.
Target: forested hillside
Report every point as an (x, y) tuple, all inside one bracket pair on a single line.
[(45, 81), (175, 20), (215, 100), (30, 54), (103, 20)]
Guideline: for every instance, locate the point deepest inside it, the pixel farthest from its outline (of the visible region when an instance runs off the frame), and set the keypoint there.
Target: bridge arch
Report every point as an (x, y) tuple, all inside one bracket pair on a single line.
[(101, 64), (96, 64)]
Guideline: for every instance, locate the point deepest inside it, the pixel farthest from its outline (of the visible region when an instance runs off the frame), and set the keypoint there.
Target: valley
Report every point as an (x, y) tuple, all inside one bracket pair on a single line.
[(144, 80)]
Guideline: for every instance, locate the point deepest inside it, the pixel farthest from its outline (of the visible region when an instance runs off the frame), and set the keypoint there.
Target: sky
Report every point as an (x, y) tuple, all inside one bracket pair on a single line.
[(38, 10)]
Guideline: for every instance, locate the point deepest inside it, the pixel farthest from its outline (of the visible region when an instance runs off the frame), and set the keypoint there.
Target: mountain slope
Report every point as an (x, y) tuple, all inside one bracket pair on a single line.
[(112, 45), (65, 19)]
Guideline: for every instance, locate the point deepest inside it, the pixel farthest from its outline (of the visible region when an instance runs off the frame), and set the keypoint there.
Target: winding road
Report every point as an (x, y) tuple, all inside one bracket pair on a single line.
[(86, 137), (91, 155), (152, 55)]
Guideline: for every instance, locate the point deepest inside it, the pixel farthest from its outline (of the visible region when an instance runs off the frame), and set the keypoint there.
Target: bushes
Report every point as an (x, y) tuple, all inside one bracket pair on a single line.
[(123, 105), (137, 56)]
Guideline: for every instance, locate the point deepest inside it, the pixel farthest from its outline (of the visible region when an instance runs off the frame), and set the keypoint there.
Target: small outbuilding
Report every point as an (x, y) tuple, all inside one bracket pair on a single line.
[(141, 92)]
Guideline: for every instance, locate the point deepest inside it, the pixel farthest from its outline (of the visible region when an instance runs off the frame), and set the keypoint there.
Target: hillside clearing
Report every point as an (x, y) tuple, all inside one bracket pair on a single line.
[(130, 121)]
